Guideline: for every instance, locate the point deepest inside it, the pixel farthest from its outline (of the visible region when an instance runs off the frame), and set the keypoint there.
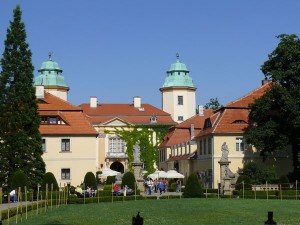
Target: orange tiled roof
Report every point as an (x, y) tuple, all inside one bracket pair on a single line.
[(244, 101), (75, 119), (126, 112), (181, 132), (233, 118), (53, 103)]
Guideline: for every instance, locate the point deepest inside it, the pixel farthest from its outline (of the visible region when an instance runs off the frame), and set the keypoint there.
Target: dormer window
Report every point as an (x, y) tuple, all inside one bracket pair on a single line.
[(207, 123), (239, 122), (51, 120), (153, 119)]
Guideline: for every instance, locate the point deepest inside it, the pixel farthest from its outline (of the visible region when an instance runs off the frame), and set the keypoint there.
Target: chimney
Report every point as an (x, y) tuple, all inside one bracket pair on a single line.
[(192, 130), (93, 102), (263, 82), (137, 102), (201, 110), (39, 91)]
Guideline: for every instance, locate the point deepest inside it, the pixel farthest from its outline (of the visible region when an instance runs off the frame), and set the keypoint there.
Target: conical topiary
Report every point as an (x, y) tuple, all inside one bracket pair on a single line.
[(90, 180), (129, 180), (193, 189), (49, 179)]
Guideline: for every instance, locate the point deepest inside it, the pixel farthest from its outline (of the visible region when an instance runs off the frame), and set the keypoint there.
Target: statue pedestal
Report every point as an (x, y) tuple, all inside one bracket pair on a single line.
[(224, 178), (137, 170)]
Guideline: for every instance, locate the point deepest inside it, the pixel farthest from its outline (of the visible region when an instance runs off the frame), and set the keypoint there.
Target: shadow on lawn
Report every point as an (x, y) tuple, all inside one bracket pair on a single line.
[(56, 223)]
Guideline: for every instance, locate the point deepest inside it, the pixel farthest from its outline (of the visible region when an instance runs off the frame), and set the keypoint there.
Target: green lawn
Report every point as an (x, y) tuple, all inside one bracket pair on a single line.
[(172, 211)]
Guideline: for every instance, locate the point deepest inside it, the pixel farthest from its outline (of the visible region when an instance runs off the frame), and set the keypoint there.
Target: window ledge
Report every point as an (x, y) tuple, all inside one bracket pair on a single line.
[(65, 152)]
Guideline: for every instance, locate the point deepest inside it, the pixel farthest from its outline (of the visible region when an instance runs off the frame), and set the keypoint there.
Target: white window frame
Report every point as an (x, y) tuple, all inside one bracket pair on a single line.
[(240, 144), (180, 100), (63, 146), (65, 174), (180, 118), (116, 144)]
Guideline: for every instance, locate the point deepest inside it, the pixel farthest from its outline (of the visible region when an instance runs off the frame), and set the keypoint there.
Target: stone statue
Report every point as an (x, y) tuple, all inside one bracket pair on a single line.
[(225, 152), (136, 153)]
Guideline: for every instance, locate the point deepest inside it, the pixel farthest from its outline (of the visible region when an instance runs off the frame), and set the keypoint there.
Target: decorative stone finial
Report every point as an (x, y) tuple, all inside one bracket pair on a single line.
[(177, 56), (50, 55)]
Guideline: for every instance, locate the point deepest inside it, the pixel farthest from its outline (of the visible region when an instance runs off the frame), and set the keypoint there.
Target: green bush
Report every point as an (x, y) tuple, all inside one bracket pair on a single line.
[(193, 189), (110, 180), (90, 180), (49, 179), (172, 187), (19, 180), (259, 173), (129, 180), (107, 187), (239, 183), (284, 182)]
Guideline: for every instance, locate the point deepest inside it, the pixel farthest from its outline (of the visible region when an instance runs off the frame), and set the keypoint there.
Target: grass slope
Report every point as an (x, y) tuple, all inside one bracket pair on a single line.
[(173, 211)]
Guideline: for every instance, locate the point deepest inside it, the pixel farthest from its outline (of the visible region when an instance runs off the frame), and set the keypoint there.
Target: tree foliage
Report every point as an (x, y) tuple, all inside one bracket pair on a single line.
[(148, 137), (259, 173), (243, 179), (213, 104), (21, 143), (19, 180), (49, 179), (90, 180), (129, 180), (193, 189), (276, 115)]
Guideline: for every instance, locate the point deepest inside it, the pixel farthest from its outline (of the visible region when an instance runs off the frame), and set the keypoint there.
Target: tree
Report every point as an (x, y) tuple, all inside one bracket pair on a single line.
[(49, 179), (213, 104), (19, 180), (90, 180), (276, 115), (259, 173), (193, 189), (129, 180), (21, 143)]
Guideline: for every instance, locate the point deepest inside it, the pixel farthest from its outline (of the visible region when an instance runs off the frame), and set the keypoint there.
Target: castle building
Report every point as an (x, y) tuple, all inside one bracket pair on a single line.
[(179, 92)]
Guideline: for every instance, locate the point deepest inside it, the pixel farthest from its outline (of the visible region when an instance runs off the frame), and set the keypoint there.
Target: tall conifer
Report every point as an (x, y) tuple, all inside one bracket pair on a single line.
[(19, 121)]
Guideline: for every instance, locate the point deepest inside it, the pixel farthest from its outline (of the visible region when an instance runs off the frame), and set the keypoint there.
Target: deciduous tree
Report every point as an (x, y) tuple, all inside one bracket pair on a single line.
[(276, 115)]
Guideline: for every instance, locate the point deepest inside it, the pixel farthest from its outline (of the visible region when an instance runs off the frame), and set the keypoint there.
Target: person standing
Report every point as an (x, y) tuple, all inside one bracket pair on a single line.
[(13, 195), (178, 185)]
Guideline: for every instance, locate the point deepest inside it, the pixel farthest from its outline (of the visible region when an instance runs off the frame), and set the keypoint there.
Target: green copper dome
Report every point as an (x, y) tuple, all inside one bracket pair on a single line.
[(178, 75), (50, 74)]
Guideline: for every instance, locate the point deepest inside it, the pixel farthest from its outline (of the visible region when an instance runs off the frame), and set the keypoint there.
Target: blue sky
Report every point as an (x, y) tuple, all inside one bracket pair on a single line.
[(119, 49)]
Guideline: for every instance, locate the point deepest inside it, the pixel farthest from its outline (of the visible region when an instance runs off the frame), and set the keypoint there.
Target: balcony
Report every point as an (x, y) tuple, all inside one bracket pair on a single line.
[(113, 155)]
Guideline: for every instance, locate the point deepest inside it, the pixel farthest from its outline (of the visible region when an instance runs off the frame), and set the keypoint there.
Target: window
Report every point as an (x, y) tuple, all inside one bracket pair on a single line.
[(65, 145), (204, 146), (180, 118), (44, 120), (53, 120), (116, 144), (44, 145), (240, 144), (200, 146), (65, 174), (209, 145), (180, 100)]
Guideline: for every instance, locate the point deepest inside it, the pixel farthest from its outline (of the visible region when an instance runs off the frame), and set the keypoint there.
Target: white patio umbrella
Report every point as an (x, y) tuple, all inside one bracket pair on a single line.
[(108, 172), (174, 174), (157, 174)]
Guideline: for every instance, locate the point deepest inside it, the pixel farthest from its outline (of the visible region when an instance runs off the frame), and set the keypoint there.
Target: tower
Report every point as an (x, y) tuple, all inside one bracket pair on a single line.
[(50, 76), (179, 92)]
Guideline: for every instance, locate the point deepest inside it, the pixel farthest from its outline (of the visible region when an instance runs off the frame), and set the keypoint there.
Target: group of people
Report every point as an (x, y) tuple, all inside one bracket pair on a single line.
[(89, 192), (151, 186), (117, 191)]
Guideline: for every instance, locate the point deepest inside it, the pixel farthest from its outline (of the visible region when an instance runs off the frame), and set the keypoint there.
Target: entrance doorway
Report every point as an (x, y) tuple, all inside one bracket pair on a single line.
[(117, 166)]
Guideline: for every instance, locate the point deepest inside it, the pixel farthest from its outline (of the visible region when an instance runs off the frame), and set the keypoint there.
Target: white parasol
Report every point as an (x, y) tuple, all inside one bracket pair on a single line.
[(157, 174), (174, 174)]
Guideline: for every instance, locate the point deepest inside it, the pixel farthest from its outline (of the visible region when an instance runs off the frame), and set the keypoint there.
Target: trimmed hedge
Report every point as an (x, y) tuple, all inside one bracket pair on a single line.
[(49, 179), (129, 180), (90, 180), (193, 189)]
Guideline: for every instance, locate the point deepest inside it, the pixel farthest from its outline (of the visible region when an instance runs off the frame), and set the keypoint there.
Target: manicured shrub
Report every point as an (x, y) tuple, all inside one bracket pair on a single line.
[(107, 187), (90, 180), (239, 183), (19, 180), (110, 179), (284, 182), (172, 187), (193, 189), (129, 180), (49, 179)]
